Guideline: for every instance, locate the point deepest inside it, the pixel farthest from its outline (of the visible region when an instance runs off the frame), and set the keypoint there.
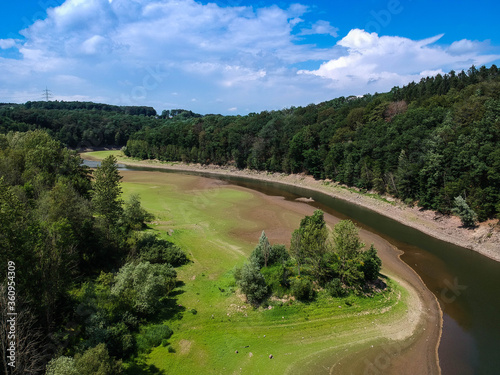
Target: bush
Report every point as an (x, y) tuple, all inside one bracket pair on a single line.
[(336, 289), (276, 279), (96, 361), (153, 336), (156, 250), (302, 289), (466, 214), (134, 216), (252, 283), (61, 366)]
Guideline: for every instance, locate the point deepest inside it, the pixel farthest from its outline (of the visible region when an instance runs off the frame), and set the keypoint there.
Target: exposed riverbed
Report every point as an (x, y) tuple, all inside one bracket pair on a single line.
[(464, 282)]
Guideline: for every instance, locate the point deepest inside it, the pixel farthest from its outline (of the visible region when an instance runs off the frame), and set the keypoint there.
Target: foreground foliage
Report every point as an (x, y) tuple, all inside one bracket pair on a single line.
[(87, 280)]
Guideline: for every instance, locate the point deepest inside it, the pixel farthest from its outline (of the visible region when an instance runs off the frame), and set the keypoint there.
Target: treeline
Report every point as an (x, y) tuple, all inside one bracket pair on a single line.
[(88, 282), (62, 105), (78, 124), (427, 142), (317, 260)]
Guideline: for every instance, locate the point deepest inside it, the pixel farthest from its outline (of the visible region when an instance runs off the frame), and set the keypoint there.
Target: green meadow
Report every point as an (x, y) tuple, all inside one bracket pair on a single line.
[(215, 330)]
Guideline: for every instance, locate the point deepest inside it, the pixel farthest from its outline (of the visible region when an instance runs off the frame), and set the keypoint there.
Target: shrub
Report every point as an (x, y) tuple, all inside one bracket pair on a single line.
[(349, 301), (252, 283), (142, 286), (302, 289), (466, 214), (134, 216), (156, 250), (96, 361), (153, 336), (61, 366), (336, 289), (276, 279)]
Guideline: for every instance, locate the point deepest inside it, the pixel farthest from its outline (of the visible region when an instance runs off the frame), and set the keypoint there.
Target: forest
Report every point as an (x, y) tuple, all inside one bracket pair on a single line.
[(428, 143), (92, 285)]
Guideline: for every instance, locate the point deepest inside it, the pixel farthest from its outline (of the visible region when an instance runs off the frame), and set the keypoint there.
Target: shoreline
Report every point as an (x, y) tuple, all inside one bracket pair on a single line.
[(421, 351), (484, 239), (409, 342)]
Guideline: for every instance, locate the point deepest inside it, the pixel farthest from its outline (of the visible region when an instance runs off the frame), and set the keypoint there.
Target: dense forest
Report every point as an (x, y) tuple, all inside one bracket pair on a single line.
[(78, 124), (87, 283), (427, 143)]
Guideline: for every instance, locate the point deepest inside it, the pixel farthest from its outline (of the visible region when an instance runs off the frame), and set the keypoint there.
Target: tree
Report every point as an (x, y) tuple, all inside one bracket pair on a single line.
[(466, 214), (96, 361), (134, 215), (261, 253), (348, 247), (252, 283), (62, 366), (371, 264), (143, 285), (314, 241), (296, 249), (106, 190)]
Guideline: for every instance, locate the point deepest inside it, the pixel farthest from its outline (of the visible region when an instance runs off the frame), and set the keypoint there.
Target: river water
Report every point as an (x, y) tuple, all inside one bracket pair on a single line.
[(466, 283)]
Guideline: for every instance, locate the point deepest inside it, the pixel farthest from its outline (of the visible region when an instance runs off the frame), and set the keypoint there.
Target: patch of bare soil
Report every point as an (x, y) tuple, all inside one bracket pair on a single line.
[(484, 239)]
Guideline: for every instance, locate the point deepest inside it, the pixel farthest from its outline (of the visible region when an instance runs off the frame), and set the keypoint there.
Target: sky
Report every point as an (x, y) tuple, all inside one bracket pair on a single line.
[(235, 56)]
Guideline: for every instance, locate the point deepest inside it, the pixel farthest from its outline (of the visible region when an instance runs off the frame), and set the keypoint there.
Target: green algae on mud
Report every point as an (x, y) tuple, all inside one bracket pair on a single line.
[(211, 220)]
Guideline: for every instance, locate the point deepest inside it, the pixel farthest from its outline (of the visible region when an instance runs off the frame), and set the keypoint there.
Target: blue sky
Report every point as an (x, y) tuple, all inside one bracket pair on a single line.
[(235, 56)]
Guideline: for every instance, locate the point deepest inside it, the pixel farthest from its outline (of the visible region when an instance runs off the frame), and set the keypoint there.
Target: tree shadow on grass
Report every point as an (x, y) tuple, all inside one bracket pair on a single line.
[(170, 308), (141, 368)]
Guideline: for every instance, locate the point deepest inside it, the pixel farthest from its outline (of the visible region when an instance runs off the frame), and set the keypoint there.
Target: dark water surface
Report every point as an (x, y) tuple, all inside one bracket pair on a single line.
[(466, 283)]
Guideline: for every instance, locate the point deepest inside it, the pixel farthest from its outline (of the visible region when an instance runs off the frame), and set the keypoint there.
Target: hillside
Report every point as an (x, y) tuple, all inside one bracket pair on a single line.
[(425, 143)]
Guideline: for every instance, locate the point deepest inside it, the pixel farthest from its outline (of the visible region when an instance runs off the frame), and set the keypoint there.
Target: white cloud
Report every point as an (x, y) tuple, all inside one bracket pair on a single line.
[(321, 27), (381, 62), (7, 43), (467, 46), (140, 52)]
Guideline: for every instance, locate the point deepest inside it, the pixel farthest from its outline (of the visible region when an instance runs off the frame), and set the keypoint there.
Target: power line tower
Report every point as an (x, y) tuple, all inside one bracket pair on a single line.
[(46, 94)]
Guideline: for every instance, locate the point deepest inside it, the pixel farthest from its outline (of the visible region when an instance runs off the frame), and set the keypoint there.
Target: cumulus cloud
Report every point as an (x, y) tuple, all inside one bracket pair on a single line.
[(386, 61), (139, 52)]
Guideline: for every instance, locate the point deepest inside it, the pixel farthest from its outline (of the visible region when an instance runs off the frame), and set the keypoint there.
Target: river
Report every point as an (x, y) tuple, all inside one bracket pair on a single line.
[(465, 283)]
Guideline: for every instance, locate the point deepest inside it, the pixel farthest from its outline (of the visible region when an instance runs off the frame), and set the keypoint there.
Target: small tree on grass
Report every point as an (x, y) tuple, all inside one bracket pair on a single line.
[(252, 283), (466, 214)]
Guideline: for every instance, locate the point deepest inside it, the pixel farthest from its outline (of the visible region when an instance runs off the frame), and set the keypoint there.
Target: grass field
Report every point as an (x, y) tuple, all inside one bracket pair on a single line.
[(206, 220)]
